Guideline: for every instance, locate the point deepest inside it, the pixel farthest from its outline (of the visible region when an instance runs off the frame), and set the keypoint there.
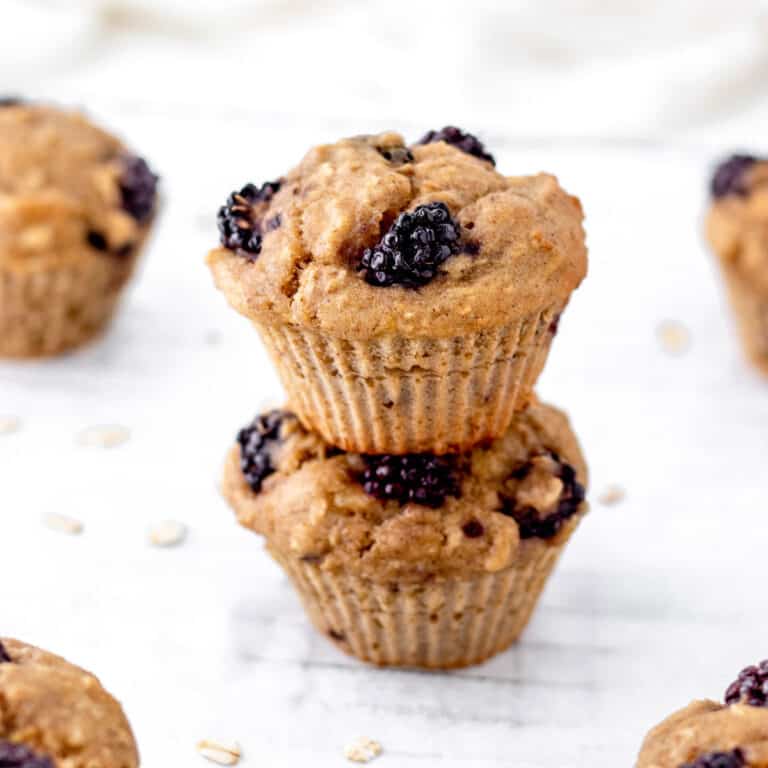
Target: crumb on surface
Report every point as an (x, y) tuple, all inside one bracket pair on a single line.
[(362, 750), (103, 436), (612, 494), (674, 337), (63, 523)]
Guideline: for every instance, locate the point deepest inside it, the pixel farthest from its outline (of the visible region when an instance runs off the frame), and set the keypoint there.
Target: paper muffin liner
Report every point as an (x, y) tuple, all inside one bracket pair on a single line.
[(436, 625), (49, 310), (750, 305), (401, 395)]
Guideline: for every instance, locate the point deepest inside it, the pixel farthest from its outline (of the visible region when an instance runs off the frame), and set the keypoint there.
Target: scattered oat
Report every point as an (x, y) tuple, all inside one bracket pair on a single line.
[(612, 494), (63, 524), (674, 337), (223, 754), (168, 533), (104, 436), (9, 424), (362, 750)]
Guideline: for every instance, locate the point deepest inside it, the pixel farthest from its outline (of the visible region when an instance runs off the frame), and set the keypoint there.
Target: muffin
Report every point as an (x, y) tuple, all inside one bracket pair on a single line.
[(737, 229), (407, 295), (706, 734), (56, 715), (414, 560), (75, 209)]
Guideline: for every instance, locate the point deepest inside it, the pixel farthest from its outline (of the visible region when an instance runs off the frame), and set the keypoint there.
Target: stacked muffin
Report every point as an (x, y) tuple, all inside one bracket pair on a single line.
[(415, 490)]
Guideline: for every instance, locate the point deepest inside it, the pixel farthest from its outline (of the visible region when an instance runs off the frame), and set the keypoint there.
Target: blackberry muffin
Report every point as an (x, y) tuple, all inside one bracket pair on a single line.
[(706, 734), (414, 560), (75, 209), (407, 295), (56, 715), (737, 229)]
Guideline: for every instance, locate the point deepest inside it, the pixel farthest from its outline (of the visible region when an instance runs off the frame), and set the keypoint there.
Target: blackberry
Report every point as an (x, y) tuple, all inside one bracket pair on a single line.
[(466, 142), (728, 178), (4, 657), (20, 756), (10, 101), (239, 225), (138, 187), (536, 523), (750, 687), (473, 529), (733, 759), (420, 478), (414, 247), (256, 440)]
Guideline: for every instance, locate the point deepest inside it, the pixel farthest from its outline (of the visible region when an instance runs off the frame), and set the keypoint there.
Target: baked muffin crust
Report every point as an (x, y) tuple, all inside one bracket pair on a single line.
[(313, 505), (522, 243), (61, 711)]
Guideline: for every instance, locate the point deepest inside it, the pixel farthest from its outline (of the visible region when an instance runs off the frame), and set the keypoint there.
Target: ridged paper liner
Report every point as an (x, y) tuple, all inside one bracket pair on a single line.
[(439, 625), (750, 305), (55, 308), (401, 395)]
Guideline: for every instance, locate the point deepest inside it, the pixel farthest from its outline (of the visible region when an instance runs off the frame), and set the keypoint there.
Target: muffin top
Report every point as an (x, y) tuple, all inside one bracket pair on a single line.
[(706, 734), (68, 190), (737, 223), (55, 715), (412, 517), (368, 237)]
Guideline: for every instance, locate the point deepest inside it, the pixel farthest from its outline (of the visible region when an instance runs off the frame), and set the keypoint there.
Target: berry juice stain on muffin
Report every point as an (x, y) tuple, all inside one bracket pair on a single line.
[(20, 756), (466, 142), (415, 246), (734, 759), (418, 478), (730, 176), (545, 494), (750, 687), (240, 218)]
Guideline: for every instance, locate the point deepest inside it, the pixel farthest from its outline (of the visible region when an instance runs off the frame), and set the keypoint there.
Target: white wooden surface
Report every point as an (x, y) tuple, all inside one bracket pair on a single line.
[(657, 600)]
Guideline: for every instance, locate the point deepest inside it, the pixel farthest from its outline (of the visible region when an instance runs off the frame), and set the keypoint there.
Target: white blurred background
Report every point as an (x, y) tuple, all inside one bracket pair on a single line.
[(530, 68)]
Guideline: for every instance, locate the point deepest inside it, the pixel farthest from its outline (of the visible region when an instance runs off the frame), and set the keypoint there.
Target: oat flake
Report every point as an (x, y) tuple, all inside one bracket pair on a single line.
[(612, 494), (63, 524), (168, 533), (104, 436), (222, 754), (362, 750)]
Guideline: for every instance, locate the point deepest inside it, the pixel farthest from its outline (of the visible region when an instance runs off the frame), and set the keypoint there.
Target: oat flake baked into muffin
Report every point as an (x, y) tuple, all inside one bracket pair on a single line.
[(413, 560), (75, 210), (407, 295), (706, 734), (56, 715), (737, 229)]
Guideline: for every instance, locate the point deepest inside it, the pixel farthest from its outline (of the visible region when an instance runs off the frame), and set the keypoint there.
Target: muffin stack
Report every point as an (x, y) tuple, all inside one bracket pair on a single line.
[(414, 490)]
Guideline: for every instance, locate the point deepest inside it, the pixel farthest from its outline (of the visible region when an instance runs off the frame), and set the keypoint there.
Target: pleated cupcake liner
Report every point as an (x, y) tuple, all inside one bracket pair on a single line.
[(57, 308), (401, 395), (750, 305), (435, 625)]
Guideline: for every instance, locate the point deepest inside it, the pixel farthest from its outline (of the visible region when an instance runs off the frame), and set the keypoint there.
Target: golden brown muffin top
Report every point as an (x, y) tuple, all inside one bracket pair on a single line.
[(427, 518), (737, 222), (520, 242), (68, 190), (61, 711), (704, 727)]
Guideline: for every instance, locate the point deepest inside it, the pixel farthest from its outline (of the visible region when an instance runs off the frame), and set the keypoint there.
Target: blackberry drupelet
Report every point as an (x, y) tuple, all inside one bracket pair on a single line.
[(750, 687), (734, 759), (414, 247), (20, 756), (239, 225), (531, 522), (728, 178), (138, 186), (466, 142), (420, 478), (256, 440), (4, 657)]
